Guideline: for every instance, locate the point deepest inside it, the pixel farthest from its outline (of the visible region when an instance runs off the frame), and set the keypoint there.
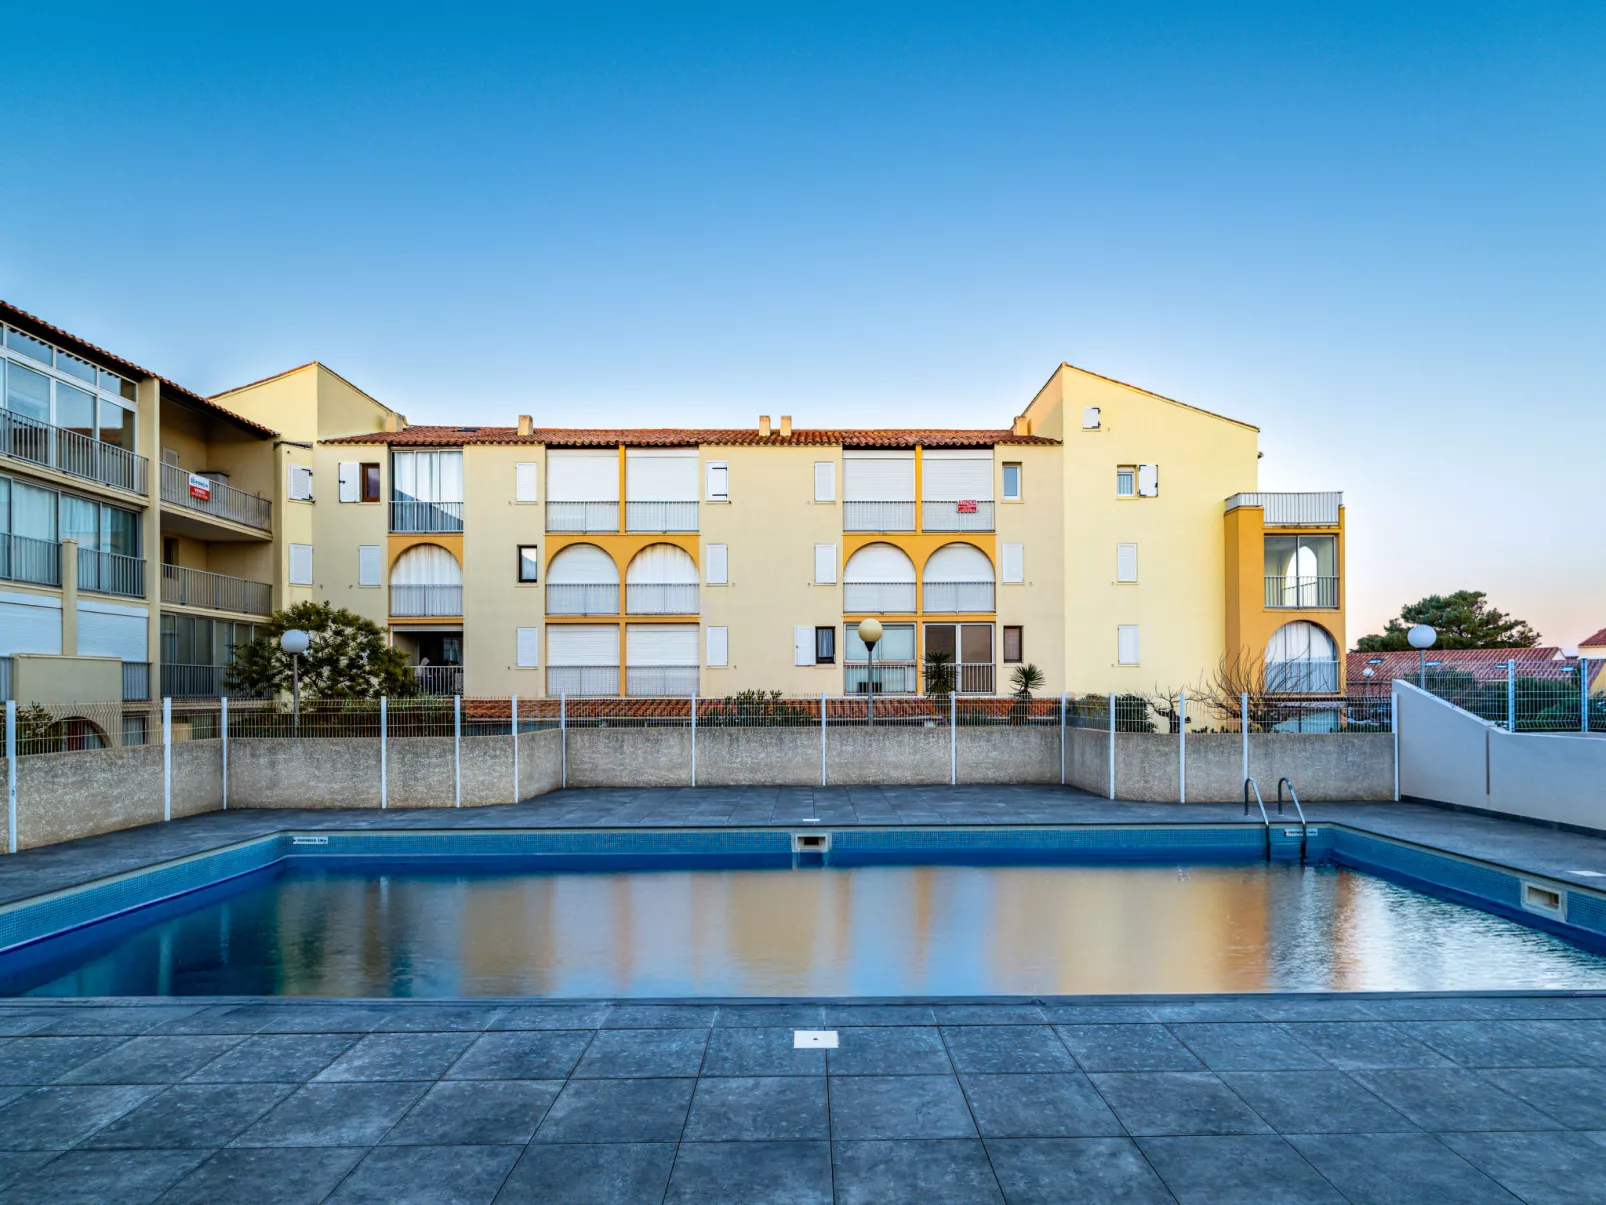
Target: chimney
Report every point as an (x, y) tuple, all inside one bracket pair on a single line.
[(764, 425), (395, 422), (786, 426), (1022, 426), (526, 425)]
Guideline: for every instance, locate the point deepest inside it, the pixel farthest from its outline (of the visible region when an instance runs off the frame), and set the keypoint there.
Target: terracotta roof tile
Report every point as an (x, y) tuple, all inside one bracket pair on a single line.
[(1484, 664), (606, 437), (1597, 639)]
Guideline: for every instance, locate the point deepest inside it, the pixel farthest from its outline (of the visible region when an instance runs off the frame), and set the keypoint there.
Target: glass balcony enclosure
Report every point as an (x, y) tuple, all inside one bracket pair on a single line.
[(426, 491), (35, 519), (1301, 571)]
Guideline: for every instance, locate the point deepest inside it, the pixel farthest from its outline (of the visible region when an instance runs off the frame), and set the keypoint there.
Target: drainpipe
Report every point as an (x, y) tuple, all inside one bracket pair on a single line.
[(69, 598)]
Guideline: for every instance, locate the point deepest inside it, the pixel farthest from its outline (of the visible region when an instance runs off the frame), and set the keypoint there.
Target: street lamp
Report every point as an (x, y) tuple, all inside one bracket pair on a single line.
[(870, 633), (295, 642), (1422, 637)]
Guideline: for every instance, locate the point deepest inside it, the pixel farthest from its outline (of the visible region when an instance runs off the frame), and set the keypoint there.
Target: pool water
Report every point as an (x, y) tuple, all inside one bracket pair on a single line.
[(295, 930)]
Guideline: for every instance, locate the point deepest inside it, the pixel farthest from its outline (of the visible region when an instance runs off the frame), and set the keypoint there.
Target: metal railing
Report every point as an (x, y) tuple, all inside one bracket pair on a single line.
[(976, 677), (891, 677), (582, 598), (23, 559), (861, 598), (582, 516), (963, 515), (193, 681), (660, 516), (1302, 677), (878, 516), (5, 678), (413, 516), (111, 573), (957, 596), (1294, 510), (652, 681), (222, 501), (582, 680), (661, 598), (426, 600), (72, 452), (440, 680), (136, 681), (198, 588), (1525, 698), (1302, 592)]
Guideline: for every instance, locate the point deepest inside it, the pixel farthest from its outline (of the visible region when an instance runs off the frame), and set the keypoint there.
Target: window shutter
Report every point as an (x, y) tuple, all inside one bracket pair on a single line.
[(824, 481), (1126, 644), (1148, 481), (825, 564), (718, 569), (957, 475), (300, 483), (301, 564), (718, 646), (368, 565), (1090, 418), (107, 630), (350, 481), (529, 647), (673, 644), (583, 644), (582, 475), (719, 487), (1015, 563), (878, 477), (29, 628), (1126, 562), (524, 482), (661, 474), (802, 645)]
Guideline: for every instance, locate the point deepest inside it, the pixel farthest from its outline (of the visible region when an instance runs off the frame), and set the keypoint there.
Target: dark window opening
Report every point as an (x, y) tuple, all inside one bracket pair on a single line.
[(824, 646), (370, 483), (1012, 644)]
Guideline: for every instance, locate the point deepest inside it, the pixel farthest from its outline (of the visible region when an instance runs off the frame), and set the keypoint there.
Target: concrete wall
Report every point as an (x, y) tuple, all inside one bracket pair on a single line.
[(61, 796), (1443, 750)]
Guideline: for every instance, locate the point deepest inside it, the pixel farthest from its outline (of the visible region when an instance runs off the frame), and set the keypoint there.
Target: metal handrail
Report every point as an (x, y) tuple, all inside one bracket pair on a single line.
[(1294, 795), (1250, 783)]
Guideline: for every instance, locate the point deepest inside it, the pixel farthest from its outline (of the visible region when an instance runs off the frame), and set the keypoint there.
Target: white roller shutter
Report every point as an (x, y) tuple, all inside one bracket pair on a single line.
[(661, 564), (1126, 644), (420, 565), (718, 565), (350, 481), (582, 475), (582, 565), (301, 564), (529, 647), (1015, 563), (108, 631), (1148, 481), (957, 474), (718, 646), (26, 628), (879, 563), (878, 477), (525, 482), (661, 474), (958, 563), (824, 481), (802, 645), (370, 568), (582, 644), (1126, 562), (661, 644), (825, 564)]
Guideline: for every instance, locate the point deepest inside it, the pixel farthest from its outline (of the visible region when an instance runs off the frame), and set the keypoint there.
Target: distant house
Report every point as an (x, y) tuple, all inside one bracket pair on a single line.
[(1594, 647), (1486, 665)]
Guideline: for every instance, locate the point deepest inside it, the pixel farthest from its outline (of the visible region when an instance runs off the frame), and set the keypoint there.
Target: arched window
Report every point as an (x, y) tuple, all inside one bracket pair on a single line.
[(880, 578), (958, 577), (426, 580), (661, 579), (582, 580), (1301, 658)]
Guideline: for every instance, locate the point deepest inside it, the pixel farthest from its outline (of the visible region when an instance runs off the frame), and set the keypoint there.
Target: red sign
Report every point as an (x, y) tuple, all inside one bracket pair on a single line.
[(200, 488), (967, 506)]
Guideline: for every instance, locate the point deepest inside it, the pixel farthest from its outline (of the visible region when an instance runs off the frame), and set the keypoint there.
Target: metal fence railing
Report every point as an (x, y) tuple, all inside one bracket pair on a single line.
[(1316, 592), (660, 516), (5, 678), (1302, 677), (661, 598), (72, 452), (136, 681), (649, 681), (878, 516), (23, 559), (215, 591), (889, 677), (956, 516), (582, 598), (584, 680), (215, 498), (961, 597), (880, 598), (111, 573), (412, 516), (582, 516), (440, 680), (417, 601), (1567, 697)]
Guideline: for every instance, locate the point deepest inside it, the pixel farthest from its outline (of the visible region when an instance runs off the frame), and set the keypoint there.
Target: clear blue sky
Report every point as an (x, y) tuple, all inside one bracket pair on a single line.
[(1378, 234)]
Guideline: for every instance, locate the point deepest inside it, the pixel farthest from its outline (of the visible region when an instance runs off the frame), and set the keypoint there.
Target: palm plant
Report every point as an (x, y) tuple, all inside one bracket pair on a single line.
[(1026, 679), (940, 674)]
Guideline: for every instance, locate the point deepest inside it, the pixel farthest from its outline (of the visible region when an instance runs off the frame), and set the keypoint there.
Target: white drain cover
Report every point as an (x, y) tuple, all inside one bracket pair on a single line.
[(814, 1039)]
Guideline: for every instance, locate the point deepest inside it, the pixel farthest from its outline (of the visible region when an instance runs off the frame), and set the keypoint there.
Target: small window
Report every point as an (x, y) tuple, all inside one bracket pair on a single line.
[(169, 455), (1012, 644), (824, 481), (1126, 481), (300, 483), (718, 565), (370, 483), (1126, 562), (529, 648), (368, 565), (824, 646), (718, 647), (719, 481), (301, 564), (1090, 418), (1014, 564), (1126, 644), (529, 562), (169, 550), (1012, 483), (525, 482)]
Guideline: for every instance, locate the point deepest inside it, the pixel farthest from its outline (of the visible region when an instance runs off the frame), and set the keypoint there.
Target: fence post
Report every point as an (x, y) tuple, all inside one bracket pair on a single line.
[(384, 786), (1062, 738), (1112, 744), (167, 759), (11, 775), (822, 738), (953, 740), (515, 749), (1243, 727), (1394, 726), (563, 738), (1583, 694), (457, 751), (224, 724), (694, 738), (1182, 745), (1511, 695)]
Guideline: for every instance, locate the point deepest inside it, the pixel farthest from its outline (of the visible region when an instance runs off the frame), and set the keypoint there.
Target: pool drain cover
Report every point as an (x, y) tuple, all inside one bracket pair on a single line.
[(814, 1039)]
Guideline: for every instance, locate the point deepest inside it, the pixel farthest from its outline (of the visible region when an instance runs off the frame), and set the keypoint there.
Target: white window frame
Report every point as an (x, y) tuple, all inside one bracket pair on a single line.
[(825, 558), (1130, 472), (1004, 481), (1015, 576), (350, 481), (527, 648), (717, 646), (1090, 418), (291, 576), (1122, 632), (717, 564), (1122, 552), (376, 554), (526, 473), (827, 479), (719, 481), (518, 568)]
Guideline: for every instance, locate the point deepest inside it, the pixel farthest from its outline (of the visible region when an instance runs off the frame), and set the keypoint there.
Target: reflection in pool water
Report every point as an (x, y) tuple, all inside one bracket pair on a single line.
[(948, 930)]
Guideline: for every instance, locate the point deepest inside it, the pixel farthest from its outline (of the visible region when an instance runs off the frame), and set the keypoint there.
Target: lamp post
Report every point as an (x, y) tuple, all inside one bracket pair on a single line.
[(295, 642), (1421, 637), (870, 633)]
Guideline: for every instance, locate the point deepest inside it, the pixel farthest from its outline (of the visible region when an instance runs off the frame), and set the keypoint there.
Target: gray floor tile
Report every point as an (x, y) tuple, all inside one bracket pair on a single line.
[(889, 1050), (759, 1052), (427, 1175), (1365, 1045), (321, 1018), (216, 1019), (1489, 1044), (618, 1110), (1099, 1014), (1398, 1169), (265, 1176), (1006, 1049), (1574, 1096), (1314, 1008), (334, 1115), (202, 1116), (19, 1024), (899, 1107), (1543, 1169), (1204, 1011), (770, 1016), (439, 1018), (1060, 1171), (615, 1173), (397, 1056), (150, 1060), (96, 1177), (913, 1173), (1585, 1039), (476, 1113), (1426, 1008), (777, 1109), (551, 1016), (1127, 1048), (19, 1163), (643, 1053), (44, 1060), (989, 1014), (1453, 1100), (738, 1173), (119, 1019), (1314, 1102), (522, 1054), (1177, 1102), (285, 1058), (840, 1015), (1037, 1106), (1231, 1169), (1258, 1047), (660, 1016), (56, 1118)]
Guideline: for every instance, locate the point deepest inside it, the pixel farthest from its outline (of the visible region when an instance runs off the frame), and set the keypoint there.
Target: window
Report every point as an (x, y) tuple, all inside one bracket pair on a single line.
[(369, 565), (824, 646), (719, 481), (1012, 483), (350, 486), (825, 564), (718, 646), (824, 481), (1301, 571), (300, 483), (1013, 644), (1090, 418), (370, 483), (525, 482), (170, 456), (301, 564), (718, 565), (529, 648), (1126, 562), (1126, 481), (1148, 481), (169, 550), (967, 650), (1126, 644), (529, 562), (1015, 563)]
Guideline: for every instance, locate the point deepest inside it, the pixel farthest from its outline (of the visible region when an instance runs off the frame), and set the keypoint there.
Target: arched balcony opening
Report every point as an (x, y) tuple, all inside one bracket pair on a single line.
[(958, 578), (661, 580), (582, 580), (426, 580), (879, 579), (1301, 658)]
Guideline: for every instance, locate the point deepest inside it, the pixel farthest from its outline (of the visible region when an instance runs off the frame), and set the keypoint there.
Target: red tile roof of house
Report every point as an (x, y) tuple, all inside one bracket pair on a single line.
[(585, 437), (1599, 638), (1485, 664)]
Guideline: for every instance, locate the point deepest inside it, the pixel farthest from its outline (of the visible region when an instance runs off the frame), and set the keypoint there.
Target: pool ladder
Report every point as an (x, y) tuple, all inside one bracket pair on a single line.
[(1251, 786)]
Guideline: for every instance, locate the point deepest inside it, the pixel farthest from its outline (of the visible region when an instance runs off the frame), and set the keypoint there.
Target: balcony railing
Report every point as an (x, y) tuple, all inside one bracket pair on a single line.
[(862, 598), (1293, 510), (198, 588), (222, 501), (956, 516), (660, 516), (111, 573), (878, 516), (72, 452), (193, 681), (27, 560), (440, 680), (5, 678), (582, 516), (656, 681), (976, 677), (1301, 677), (136, 681), (962, 597), (412, 516), (1302, 592), (891, 677), (577, 598), (426, 600), (656, 598), (582, 680)]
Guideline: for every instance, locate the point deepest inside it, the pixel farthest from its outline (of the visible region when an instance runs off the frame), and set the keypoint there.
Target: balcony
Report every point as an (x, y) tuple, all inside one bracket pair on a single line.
[(1302, 677), (660, 516), (975, 677), (136, 681), (221, 501), (959, 597), (582, 516), (441, 681), (72, 452), (197, 588), (891, 677), (576, 598), (193, 681), (27, 560), (415, 601), (1287, 592), (882, 598), (956, 516), (5, 678), (878, 516), (661, 598), (656, 681), (111, 573), (1293, 510), (410, 516), (582, 680)]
